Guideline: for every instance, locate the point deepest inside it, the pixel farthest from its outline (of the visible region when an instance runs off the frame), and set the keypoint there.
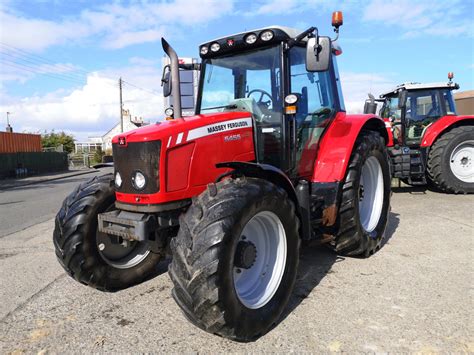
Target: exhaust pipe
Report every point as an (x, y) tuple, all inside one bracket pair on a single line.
[(175, 83)]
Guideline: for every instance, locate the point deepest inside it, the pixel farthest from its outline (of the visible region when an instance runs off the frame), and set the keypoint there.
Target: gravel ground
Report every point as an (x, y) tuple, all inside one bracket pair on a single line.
[(415, 294)]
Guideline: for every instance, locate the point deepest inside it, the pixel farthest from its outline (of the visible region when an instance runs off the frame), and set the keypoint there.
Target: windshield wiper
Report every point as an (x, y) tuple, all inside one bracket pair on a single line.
[(230, 107)]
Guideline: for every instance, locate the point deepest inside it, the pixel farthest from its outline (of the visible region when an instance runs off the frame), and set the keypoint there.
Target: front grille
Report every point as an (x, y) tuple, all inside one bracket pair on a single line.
[(143, 157)]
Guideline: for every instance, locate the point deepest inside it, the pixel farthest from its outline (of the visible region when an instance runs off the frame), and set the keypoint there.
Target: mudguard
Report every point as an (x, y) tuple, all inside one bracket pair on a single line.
[(279, 178), (337, 142), (263, 171), (441, 125)]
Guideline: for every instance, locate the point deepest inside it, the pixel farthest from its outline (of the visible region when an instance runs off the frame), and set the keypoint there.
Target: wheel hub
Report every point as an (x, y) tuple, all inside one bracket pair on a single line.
[(371, 194), (259, 259), (245, 255), (461, 161)]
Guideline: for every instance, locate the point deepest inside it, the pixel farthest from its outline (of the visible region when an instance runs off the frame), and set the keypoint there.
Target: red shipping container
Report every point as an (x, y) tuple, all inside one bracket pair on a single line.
[(19, 142)]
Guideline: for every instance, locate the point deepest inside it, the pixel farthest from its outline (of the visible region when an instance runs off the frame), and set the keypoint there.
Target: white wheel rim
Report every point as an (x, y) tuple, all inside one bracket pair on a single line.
[(371, 194), (256, 285), (461, 161)]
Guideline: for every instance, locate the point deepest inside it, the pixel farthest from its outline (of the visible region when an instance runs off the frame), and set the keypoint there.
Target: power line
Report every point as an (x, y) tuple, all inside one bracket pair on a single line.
[(45, 74), (31, 58), (36, 57), (23, 60), (140, 88), (40, 67)]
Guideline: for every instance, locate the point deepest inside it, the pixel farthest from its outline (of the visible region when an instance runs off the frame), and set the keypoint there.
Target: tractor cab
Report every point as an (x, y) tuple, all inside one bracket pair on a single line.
[(422, 105), (265, 72)]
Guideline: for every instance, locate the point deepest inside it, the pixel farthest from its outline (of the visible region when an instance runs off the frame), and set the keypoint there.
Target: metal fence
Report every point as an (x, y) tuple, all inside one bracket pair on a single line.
[(31, 163)]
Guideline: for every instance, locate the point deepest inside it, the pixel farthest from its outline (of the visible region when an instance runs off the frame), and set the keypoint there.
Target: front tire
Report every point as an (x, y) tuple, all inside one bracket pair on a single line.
[(235, 258), (450, 166), (89, 256), (365, 201)]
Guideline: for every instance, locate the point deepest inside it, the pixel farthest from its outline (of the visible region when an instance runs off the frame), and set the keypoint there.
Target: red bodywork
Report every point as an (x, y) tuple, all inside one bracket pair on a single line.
[(434, 130), (439, 126), (388, 126), (336, 145), (189, 153)]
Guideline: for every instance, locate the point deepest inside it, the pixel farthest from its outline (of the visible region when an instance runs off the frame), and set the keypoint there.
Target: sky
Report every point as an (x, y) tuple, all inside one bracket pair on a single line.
[(60, 60)]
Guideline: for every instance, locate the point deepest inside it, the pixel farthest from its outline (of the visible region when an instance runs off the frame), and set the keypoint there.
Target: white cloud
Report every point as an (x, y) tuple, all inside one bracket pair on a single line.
[(356, 86), (113, 25), (21, 69), (136, 37), (91, 109), (437, 18)]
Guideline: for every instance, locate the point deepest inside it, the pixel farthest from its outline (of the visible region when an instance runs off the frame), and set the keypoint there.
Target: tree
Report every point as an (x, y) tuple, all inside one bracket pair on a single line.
[(53, 140), (98, 154)]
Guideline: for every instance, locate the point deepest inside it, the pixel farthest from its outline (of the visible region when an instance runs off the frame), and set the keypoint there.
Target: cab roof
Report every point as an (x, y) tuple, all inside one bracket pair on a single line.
[(290, 32), (420, 86), (287, 31)]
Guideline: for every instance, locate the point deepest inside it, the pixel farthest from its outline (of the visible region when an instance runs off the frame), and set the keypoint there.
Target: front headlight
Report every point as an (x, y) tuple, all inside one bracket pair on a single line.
[(118, 180), (204, 50), (251, 38), (215, 47), (138, 180), (266, 35)]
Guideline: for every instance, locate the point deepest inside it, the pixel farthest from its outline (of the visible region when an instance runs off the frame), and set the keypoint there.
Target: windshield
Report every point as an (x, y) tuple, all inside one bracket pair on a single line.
[(391, 110), (249, 81)]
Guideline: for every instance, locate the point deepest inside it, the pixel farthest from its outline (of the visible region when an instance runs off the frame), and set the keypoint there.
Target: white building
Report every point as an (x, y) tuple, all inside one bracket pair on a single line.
[(105, 142), (129, 123)]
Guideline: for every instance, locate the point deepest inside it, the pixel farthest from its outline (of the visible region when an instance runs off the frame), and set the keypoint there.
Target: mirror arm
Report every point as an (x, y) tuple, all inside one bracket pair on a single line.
[(163, 80), (297, 39)]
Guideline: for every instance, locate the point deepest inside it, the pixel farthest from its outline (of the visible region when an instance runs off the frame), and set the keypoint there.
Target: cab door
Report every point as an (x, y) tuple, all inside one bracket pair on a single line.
[(423, 107)]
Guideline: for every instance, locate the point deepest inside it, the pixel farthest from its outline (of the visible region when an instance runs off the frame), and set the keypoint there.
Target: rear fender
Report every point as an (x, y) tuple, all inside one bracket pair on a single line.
[(337, 143), (443, 124)]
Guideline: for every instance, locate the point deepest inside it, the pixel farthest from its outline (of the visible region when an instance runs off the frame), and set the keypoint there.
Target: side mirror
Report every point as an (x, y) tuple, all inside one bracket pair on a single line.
[(318, 55), (402, 99), (166, 81), (370, 106)]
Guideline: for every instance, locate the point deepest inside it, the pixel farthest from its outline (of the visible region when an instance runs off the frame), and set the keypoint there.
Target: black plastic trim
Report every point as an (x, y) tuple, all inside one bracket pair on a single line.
[(151, 208)]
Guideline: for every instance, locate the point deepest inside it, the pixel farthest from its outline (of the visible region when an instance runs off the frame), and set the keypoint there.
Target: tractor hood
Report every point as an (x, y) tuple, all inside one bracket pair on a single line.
[(187, 128)]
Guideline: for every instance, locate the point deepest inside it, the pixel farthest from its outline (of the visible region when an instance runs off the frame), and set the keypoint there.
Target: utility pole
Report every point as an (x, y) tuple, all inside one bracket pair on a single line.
[(121, 106), (9, 128)]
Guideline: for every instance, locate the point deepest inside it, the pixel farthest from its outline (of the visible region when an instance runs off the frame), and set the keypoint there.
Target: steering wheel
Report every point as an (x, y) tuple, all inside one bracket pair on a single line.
[(262, 94), (431, 111)]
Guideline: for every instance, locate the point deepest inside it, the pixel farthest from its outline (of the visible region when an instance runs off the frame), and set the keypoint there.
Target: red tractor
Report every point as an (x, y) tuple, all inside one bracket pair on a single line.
[(428, 141), (270, 160)]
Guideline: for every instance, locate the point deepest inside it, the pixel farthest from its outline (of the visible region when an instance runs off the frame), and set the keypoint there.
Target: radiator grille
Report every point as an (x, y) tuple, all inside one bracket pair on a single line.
[(140, 156)]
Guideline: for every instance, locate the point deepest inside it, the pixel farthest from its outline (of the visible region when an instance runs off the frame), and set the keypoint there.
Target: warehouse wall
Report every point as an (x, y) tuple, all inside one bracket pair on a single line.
[(464, 102)]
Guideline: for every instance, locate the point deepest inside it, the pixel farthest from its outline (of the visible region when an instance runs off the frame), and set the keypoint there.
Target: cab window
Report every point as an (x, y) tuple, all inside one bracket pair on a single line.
[(316, 105)]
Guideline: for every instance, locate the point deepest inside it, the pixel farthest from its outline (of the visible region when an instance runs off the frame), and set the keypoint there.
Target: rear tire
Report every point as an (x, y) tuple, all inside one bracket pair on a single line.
[(365, 201), (214, 276), (450, 166), (77, 241)]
